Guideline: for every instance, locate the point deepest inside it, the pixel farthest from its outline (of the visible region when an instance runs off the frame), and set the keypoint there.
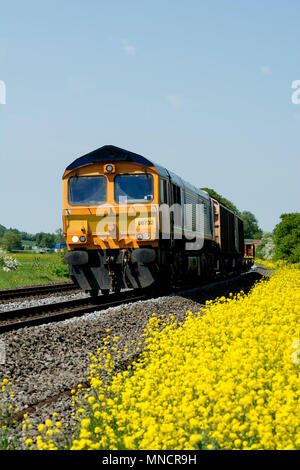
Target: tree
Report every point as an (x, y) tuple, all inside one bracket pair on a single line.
[(45, 240), (266, 247), (287, 237), (59, 236), (2, 230), (11, 241), (27, 236), (251, 228), (222, 200), (23, 235)]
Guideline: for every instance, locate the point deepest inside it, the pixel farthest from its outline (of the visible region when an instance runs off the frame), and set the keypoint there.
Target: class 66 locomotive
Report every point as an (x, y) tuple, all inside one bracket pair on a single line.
[(130, 223)]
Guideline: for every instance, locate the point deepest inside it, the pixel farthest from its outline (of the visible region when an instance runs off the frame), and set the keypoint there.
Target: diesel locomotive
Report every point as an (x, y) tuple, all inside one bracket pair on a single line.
[(131, 223)]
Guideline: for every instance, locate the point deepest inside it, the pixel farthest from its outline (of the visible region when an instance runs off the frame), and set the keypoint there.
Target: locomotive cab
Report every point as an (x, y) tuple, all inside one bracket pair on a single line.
[(110, 217)]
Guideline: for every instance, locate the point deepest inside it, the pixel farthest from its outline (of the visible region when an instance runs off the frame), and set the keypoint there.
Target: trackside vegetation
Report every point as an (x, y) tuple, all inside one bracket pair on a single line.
[(287, 238), (228, 377), (20, 269)]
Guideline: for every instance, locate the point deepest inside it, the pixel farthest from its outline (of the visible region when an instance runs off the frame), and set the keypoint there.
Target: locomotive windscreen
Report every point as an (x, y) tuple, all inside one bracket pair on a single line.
[(135, 187), (87, 190)]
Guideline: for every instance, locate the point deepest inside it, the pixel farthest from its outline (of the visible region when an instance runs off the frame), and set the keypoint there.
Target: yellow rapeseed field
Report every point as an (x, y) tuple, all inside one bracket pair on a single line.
[(227, 378), (270, 264)]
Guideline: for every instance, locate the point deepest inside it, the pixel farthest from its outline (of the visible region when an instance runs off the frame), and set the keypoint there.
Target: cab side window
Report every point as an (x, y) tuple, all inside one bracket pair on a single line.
[(163, 191), (176, 197)]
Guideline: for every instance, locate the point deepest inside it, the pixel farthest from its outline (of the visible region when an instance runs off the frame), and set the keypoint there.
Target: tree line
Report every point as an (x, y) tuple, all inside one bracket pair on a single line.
[(13, 239)]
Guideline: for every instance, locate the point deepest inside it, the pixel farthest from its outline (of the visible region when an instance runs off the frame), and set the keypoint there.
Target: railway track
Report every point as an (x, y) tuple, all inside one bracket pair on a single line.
[(41, 289), (41, 314)]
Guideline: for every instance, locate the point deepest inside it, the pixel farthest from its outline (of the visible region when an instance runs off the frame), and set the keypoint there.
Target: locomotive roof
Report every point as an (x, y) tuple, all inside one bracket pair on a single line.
[(110, 153)]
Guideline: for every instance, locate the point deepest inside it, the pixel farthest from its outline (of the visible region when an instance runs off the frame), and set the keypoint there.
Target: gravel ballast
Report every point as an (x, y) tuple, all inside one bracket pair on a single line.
[(32, 302), (47, 360)]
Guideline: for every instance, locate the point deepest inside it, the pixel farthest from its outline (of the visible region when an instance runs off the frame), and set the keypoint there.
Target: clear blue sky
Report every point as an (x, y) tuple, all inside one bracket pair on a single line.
[(201, 87)]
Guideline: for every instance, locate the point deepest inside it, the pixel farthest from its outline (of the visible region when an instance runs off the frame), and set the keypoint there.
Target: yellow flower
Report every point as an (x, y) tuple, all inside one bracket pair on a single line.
[(195, 439), (85, 423), (222, 378)]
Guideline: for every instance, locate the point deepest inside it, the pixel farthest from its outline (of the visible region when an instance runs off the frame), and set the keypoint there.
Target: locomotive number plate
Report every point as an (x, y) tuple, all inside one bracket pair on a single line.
[(145, 222)]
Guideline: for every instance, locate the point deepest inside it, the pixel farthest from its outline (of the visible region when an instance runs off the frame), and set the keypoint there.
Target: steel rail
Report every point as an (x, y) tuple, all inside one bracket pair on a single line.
[(48, 313), (28, 291), (58, 311)]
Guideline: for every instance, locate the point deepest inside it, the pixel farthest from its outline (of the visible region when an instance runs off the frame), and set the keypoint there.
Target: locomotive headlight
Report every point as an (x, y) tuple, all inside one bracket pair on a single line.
[(75, 239), (109, 168), (82, 238), (147, 236), (139, 236)]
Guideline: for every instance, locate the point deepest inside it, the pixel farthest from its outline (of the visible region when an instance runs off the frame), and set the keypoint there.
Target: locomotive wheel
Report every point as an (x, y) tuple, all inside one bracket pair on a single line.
[(93, 293), (105, 291), (164, 282)]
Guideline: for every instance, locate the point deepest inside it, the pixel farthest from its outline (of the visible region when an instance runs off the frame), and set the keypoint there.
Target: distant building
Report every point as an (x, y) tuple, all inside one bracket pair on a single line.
[(249, 241), (60, 247)]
